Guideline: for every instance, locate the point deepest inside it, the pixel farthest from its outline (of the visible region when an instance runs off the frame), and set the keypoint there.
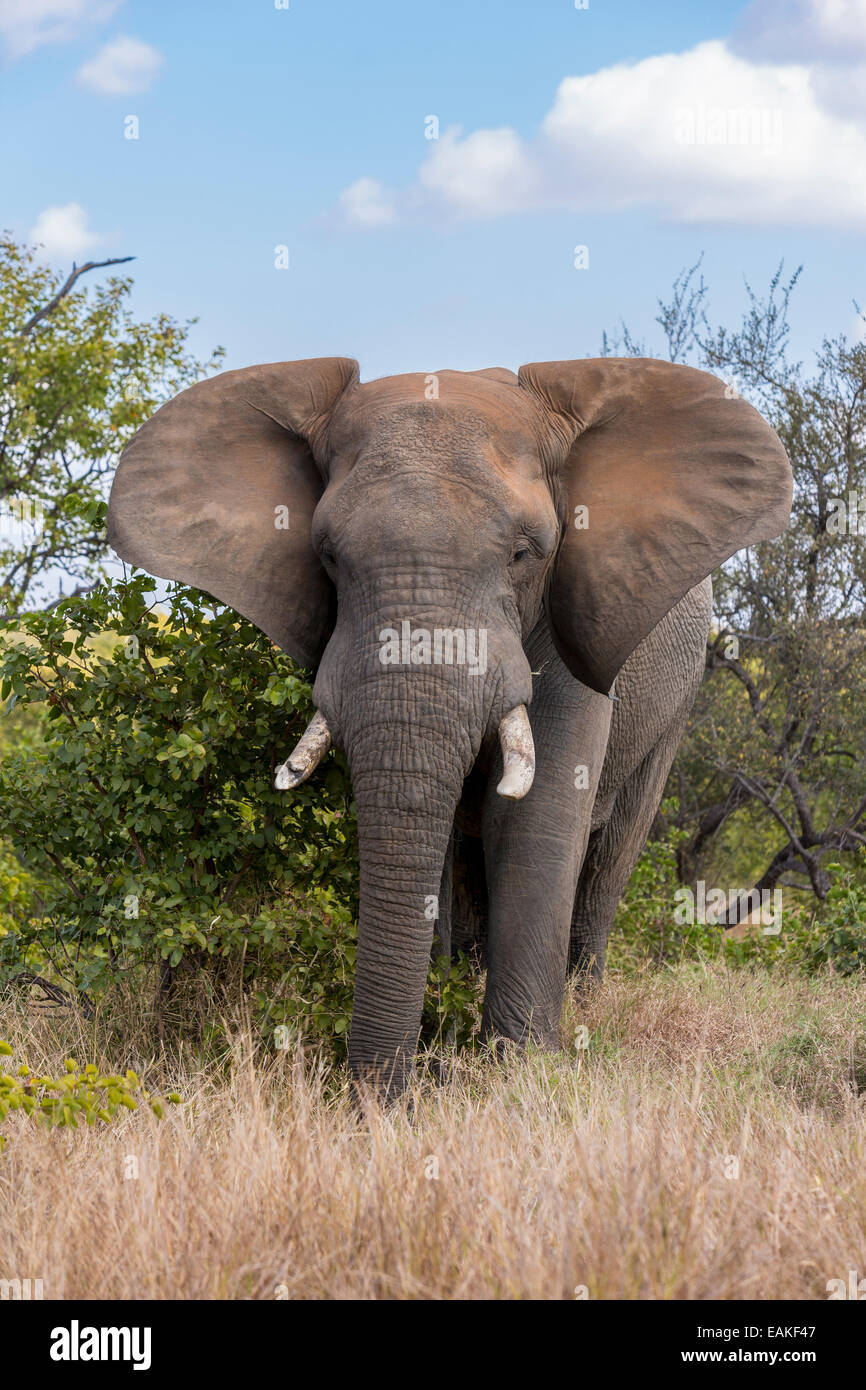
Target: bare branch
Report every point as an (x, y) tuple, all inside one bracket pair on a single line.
[(66, 288)]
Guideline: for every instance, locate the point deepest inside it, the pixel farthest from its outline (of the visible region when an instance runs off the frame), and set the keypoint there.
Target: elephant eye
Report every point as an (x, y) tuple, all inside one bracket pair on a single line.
[(522, 551), (326, 553)]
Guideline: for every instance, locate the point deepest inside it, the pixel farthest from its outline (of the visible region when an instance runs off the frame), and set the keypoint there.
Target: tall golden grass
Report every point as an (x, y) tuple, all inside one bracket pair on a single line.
[(710, 1142)]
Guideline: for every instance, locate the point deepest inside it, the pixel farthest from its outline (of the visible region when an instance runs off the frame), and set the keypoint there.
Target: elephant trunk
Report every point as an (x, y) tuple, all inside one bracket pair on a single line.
[(412, 727), (407, 782)]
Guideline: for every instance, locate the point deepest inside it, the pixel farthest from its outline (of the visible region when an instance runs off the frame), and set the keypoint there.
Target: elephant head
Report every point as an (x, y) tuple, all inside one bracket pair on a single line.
[(403, 537)]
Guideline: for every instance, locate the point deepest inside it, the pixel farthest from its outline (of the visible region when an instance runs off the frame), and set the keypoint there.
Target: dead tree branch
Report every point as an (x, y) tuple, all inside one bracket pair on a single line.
[(66, 288)]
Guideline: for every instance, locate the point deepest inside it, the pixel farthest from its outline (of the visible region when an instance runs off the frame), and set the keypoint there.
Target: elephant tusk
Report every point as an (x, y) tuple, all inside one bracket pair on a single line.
[(309, 752), (518, 754)]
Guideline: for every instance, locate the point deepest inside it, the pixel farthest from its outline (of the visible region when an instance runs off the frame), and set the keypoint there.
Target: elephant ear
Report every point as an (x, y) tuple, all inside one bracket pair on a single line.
[(675, 472), (218, 490)]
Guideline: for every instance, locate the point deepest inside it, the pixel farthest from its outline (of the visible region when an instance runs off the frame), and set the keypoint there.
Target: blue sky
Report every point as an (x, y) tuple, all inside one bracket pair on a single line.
[(619, 127)]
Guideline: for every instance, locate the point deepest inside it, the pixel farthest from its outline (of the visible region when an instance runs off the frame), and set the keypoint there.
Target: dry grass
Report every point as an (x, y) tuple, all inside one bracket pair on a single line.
[(521, 1179)]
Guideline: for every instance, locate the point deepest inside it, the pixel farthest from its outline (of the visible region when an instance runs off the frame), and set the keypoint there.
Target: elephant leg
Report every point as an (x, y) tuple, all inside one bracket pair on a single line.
[(612, 853), (533, 850)]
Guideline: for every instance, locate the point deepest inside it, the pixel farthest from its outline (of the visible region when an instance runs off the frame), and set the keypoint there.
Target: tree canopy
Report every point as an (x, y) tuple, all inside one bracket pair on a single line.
[(78, 375)]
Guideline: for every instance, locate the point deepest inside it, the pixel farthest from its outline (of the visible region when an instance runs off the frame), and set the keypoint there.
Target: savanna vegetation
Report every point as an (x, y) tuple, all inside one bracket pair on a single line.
[(707, 1143), (177, 939)]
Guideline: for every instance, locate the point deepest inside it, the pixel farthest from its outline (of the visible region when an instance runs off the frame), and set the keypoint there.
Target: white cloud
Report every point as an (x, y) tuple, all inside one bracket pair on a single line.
[(27, 24), (486, 174), (123, 66), (367, 204), (702, 136), (64, 233), (828, 36), (842, 90), (707, 136), (803, 31)]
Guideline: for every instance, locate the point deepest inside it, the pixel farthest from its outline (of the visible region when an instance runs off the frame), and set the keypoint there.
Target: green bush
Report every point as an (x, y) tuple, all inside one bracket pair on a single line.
[(645, 928), (843, 922), (79, 1093), (141, 832), (142, 812), (812, 935)]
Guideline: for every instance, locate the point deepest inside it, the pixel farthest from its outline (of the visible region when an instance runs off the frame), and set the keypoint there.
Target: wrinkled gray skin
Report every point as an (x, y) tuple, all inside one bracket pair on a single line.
[(455, 513)]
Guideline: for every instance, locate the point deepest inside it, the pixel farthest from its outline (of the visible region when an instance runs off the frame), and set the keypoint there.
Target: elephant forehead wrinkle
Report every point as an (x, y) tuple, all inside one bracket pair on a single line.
[(416, 482), (428, 426), (473, 416)]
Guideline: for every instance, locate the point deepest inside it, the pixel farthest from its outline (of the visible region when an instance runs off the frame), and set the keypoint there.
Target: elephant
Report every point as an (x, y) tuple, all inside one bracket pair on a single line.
[(501, 582)]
